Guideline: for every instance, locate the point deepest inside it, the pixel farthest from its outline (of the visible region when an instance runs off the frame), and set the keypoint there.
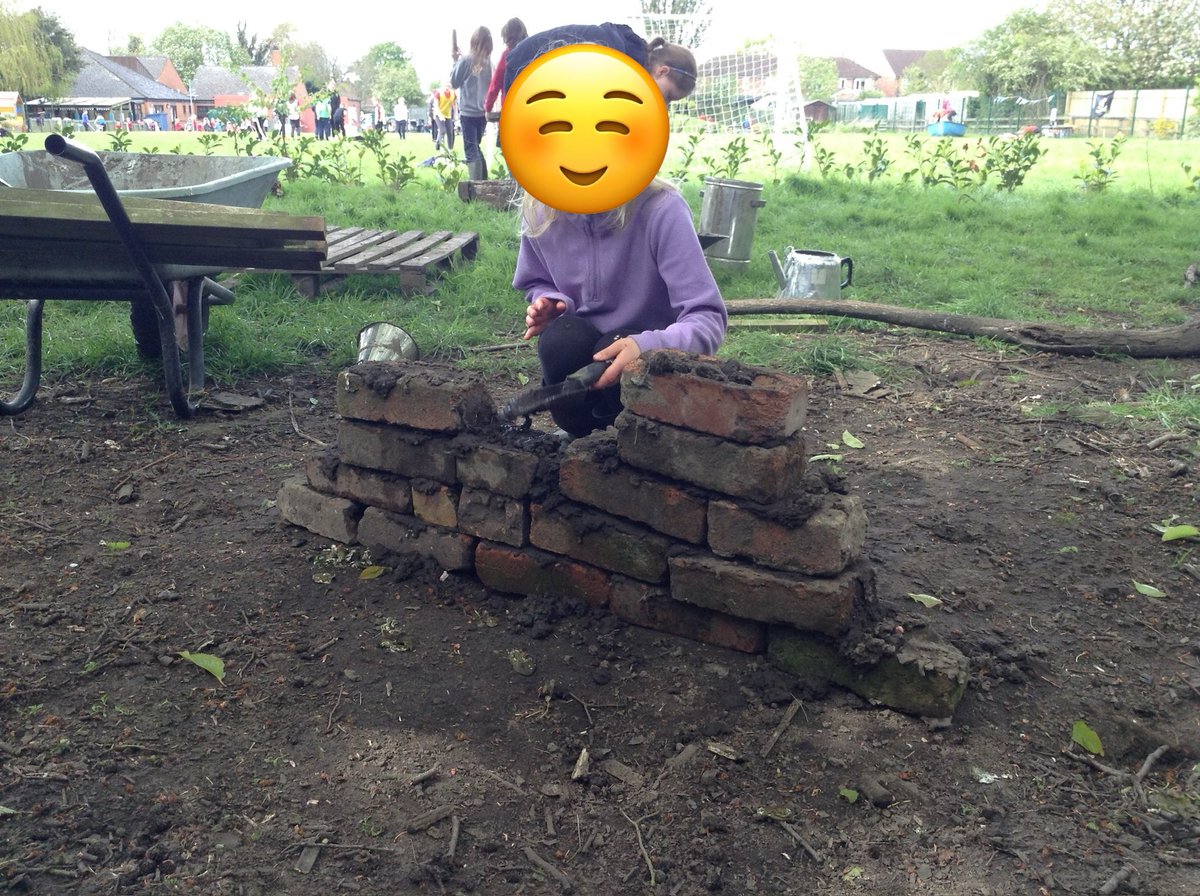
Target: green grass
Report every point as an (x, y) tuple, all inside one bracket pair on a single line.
[(1048, 251)]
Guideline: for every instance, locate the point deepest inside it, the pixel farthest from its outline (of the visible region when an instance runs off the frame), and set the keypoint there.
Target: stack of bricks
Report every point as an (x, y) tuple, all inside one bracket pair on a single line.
[(694, 515)]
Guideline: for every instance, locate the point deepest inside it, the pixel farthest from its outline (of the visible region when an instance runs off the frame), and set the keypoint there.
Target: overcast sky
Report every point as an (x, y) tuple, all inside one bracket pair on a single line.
[(346, 31)]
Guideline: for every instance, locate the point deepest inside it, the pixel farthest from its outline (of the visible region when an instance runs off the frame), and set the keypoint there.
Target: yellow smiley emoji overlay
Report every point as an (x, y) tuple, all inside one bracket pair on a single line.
[(584, 128)]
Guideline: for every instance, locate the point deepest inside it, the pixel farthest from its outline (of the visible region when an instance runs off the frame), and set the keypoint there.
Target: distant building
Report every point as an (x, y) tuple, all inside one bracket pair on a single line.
[(122, 92), (853, 79), (891, 82)]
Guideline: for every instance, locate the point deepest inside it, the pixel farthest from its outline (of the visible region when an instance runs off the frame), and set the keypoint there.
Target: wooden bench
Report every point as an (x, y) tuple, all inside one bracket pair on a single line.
[(158, 255)]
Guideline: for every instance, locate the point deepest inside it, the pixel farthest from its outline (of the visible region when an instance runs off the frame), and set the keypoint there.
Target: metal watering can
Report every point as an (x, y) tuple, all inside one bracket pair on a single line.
[(811, 274)]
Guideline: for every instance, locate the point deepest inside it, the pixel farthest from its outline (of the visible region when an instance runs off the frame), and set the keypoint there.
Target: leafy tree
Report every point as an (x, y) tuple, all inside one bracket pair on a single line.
[(932, 73), (683, 22), (250, 50), (377, 59), (1142, 43), (39, 56), (316, 68), (1030, 54), (392, 81), (191, 46), (818, 77), (133, 46)]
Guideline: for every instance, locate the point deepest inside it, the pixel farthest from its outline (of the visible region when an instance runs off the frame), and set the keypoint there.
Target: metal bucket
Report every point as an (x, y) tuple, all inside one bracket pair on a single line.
[(382, 341), (730, 208)]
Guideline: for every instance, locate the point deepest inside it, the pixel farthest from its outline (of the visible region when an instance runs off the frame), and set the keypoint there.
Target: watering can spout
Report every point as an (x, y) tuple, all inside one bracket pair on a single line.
[(779, 274)]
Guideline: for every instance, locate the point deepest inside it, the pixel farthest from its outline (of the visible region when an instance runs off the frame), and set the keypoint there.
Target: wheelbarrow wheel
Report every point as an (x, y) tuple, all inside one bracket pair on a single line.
[(145, 330)]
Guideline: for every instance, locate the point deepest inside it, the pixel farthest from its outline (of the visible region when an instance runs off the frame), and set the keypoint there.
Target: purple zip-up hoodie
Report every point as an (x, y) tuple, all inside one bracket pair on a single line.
[(649, 279)]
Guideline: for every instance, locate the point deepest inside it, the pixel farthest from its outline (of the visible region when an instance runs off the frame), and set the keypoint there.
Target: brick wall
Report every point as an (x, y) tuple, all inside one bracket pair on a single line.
[(695, 515)]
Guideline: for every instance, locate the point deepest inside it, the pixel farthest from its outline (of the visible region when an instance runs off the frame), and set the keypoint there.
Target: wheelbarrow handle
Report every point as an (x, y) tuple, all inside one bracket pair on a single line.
[(58, 145)]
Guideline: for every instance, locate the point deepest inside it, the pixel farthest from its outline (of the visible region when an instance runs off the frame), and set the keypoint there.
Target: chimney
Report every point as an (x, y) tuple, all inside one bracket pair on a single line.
[(276, 58)]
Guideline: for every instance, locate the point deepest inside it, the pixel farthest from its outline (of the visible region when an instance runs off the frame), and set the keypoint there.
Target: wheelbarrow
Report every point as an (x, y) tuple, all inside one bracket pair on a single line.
[(58, 245)]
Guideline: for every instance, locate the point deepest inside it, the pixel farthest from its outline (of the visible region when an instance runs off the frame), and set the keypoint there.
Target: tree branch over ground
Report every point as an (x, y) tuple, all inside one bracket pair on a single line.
[(1182, 341)]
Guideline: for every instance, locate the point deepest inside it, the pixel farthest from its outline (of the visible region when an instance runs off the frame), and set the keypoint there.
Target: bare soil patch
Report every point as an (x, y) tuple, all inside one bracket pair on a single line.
[(414, 733)]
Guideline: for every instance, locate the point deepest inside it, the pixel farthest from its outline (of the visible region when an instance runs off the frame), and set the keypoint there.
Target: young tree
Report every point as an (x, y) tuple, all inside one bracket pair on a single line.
[(191, 46), (1142, 43), (392, 81), (250, 50), (1029, 54)]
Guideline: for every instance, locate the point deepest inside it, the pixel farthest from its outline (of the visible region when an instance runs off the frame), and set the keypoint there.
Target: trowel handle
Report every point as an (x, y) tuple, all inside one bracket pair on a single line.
[(848, 264)]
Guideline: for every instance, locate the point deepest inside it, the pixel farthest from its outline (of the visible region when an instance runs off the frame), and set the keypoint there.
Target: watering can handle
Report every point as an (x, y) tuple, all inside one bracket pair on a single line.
[(779, 275), (848, 264)]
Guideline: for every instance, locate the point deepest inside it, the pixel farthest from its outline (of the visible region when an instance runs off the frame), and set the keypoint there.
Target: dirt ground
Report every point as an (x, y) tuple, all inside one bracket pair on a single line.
[(414, 733)]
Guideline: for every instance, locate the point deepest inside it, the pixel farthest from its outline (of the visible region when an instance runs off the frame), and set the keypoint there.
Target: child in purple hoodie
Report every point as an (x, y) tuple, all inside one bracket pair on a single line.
[(609, 286)]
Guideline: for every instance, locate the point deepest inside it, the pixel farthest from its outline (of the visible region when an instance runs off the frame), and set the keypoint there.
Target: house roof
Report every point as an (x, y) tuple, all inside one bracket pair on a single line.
[(899, 60), (211, 81), (103, 77), (848, 68)]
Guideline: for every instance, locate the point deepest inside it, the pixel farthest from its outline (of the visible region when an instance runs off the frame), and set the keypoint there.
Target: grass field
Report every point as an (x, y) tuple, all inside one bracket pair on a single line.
[(1049, 251)]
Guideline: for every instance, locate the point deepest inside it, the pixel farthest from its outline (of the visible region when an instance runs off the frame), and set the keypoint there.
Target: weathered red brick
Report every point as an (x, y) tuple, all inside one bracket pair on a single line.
[(599, 539), (652, 607), (386, 490), (421, 396), (824, 545), (745, 471), (824, 605), (532, 572), (497, 517), (723, 398), (591, 473), (435, 503), (406, 535), (326, 515), (498, 469), (409, 452)]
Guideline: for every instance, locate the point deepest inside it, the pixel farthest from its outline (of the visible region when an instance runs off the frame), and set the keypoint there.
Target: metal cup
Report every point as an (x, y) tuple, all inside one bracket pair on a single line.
[(382, 341)]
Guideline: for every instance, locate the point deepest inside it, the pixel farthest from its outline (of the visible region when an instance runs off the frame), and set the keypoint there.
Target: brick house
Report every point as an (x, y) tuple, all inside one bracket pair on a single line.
[(119, 91), (853, 79)]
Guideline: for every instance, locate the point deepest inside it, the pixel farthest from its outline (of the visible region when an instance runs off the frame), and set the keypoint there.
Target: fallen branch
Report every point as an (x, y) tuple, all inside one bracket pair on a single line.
[(1182, 341), (551, 870)]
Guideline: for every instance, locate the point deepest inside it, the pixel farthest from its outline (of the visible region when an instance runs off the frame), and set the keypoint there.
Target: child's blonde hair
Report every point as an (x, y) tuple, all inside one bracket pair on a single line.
[(536, 216)]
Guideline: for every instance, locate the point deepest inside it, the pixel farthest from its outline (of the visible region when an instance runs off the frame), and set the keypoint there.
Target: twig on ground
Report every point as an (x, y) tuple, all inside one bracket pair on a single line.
[(422, 777), (509, 784), (336, 703), (296, 426), (1149, 763), (637, 829), (1113, 884), (780, 728), (550, 870), (800, 840), (452, 848), (144, 467)]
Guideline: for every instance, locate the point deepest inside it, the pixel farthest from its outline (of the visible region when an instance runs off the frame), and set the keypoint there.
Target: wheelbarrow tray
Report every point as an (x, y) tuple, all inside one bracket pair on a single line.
[(242, 181)]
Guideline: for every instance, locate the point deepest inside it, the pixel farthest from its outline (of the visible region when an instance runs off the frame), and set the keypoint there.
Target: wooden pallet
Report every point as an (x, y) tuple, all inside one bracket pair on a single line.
[(413, 256)]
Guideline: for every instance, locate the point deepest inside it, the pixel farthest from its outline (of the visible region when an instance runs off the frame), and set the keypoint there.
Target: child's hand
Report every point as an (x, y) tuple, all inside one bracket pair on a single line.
[(622, 352), (539, 314)]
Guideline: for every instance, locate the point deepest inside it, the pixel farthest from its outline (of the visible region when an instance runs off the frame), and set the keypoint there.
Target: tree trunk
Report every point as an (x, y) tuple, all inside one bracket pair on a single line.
[(1182, 341)]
